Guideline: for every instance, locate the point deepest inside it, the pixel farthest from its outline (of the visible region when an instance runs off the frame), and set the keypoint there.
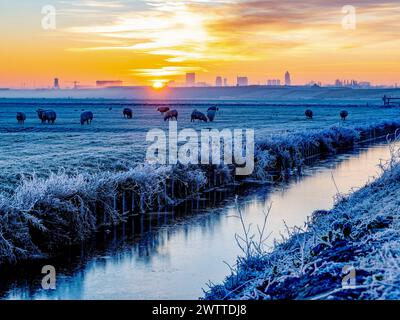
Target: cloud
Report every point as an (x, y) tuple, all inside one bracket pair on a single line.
[(153, 30), (94, 4), (165, 71), (179, 34)]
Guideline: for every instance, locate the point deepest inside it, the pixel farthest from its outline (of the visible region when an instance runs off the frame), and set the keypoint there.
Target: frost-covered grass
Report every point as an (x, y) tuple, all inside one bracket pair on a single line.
[(44, 214), (287, 152), (362, 231), (112, 143)]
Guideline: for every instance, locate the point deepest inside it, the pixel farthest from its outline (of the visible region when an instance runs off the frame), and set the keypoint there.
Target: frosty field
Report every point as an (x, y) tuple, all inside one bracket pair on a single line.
[(44, 216), (174, 254), (112, 143)]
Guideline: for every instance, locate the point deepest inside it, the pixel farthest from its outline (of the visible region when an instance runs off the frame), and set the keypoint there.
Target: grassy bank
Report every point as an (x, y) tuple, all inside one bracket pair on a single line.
[(44, 215), (361, 232), (287, 153)]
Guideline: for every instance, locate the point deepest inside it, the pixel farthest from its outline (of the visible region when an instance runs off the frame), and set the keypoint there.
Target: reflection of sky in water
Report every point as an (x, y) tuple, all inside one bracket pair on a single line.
[(176, 261)]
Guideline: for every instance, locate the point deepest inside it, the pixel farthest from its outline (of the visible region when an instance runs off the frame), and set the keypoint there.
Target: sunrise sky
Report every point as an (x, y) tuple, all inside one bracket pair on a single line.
[(143, 41)]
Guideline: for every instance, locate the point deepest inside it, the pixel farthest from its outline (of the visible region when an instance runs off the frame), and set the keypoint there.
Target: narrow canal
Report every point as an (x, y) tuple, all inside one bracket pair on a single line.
[(172, 255)]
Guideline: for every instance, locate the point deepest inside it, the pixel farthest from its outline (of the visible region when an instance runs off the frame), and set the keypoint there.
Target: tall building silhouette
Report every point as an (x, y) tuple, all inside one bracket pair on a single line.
[(218, 81), (242, 81), (190, 79), (288, 80), (56, 84)]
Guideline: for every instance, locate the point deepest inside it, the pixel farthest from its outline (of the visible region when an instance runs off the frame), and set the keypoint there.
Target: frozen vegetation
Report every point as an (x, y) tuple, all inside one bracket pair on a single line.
[(361, 232), (112, 143), (46, 213), (69, 180), (286, 153)]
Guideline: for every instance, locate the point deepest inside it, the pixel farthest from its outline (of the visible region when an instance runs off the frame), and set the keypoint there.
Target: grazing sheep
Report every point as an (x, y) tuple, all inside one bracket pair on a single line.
[(21, 117), (162, 109), (46, 115), (214, 108), (309, 114), (87, 117), (197, 115), (343, 114), (211, 114), (170, 115), (128, 113)]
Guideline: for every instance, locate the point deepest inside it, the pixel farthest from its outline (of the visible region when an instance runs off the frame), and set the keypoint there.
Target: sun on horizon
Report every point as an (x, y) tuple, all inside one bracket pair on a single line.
[(143, 42), (157, 84)]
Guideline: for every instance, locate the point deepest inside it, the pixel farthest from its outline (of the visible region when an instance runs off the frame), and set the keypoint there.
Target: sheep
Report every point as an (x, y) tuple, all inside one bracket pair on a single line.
[(213, 108), (47, 115), (309, 114), (211, 114), (21, 117), (170, 115), (197, 115), (343, 114), (87, 117), (128, 113), (163, 109)]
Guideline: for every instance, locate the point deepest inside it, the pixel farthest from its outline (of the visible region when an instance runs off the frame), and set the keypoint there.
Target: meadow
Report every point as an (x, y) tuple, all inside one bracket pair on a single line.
[(112, 143), (61, 182)]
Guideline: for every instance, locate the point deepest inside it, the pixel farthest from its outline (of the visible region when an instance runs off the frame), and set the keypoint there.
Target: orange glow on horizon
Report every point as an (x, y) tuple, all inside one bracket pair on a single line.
[(137, 42)]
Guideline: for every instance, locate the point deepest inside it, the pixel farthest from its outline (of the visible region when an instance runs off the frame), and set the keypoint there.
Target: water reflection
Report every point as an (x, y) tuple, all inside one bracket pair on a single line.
[(172, 255)]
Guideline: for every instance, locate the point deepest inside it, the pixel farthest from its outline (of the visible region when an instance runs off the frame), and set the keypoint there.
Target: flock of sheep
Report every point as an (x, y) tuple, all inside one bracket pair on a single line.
[(343, 114), (50, 116), (196, 115)]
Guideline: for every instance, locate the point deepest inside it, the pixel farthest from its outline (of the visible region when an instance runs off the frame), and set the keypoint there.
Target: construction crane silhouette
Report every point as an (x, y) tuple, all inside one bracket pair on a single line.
[(75, 83)]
